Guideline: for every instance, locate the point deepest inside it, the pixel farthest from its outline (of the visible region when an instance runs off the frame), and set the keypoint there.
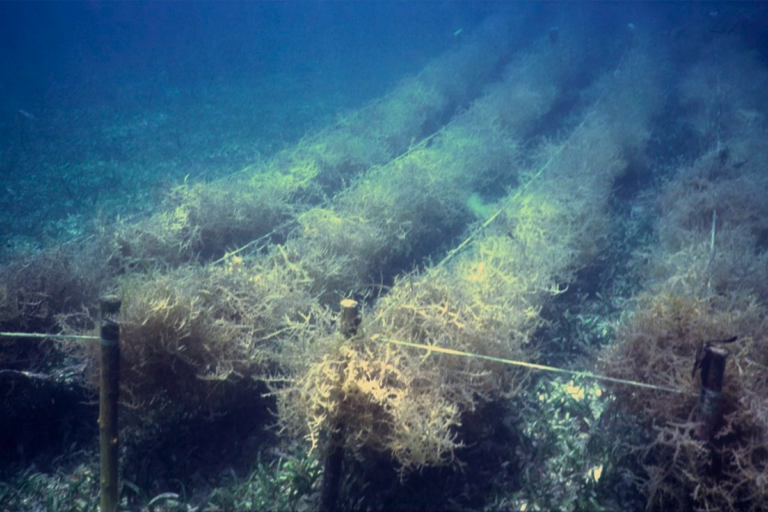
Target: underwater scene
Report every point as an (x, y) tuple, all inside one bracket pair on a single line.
[(340, 256)]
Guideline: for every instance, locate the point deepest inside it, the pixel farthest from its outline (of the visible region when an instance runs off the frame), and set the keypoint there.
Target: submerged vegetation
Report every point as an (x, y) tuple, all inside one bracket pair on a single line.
[(531, 202)]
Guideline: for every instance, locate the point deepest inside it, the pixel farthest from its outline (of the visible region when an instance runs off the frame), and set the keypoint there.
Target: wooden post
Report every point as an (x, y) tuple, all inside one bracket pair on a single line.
[(712, 374), (109, 394), (349, 319)]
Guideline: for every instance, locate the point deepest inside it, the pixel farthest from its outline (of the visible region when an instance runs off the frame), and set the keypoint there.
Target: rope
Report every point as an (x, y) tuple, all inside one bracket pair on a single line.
[(29, 375), (47, 336), (229, 255), (532, 366), (516, 195), (431, 348), (377, 168), (538, 173)]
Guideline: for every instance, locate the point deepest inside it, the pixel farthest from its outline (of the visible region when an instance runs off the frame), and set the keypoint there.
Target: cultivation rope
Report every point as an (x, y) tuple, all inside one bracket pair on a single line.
[(43, 336), (431, 348), (411, 149), (518, 193), (524, 186), (532, 366), (229, 255)]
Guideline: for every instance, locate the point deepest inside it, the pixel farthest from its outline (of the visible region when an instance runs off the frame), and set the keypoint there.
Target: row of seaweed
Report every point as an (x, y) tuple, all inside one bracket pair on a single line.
[(704, 282)]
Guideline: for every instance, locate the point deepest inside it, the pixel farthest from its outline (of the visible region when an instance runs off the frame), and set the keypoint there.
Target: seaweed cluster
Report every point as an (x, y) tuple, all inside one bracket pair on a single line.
[(486, 300), (706, 282)]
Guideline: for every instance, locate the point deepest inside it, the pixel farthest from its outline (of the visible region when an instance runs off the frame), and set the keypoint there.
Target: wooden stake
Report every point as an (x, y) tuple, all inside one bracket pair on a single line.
[(712, 375), (109, 394), (349, 320)]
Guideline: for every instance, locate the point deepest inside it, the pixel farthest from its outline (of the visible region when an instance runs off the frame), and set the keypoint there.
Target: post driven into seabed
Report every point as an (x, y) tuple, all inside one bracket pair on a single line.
[(109, 394)]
